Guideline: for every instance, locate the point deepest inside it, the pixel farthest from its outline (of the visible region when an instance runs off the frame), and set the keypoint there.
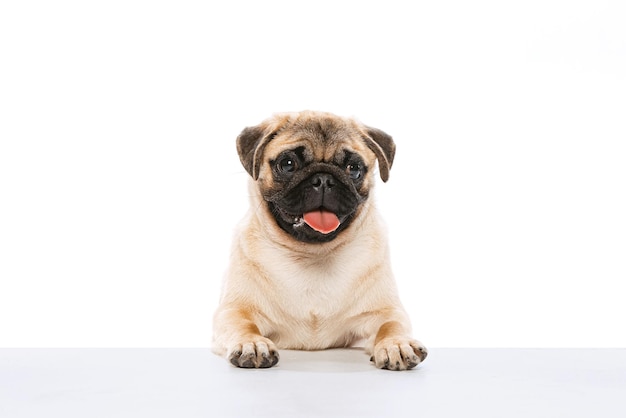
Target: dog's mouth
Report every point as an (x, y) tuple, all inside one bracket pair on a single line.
[(320, 220), (318, 207)]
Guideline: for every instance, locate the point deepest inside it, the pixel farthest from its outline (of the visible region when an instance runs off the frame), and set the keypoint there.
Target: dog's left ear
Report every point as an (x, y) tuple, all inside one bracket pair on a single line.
[(383, 146), (252, 141)]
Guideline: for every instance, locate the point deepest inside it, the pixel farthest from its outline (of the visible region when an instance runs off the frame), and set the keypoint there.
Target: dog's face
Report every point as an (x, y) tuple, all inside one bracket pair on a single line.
[(314, 170)]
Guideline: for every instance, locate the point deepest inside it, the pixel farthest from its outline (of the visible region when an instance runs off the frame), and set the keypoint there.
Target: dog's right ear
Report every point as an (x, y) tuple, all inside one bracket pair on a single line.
[(249, 141), (252, 141)]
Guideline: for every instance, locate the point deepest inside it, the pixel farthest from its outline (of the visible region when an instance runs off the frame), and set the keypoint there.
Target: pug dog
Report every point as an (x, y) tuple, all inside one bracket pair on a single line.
[(310, 264)]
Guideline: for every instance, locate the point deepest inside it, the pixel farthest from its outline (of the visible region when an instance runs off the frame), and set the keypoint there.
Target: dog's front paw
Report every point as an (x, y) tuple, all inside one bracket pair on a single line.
[(254, 355), (398, 354)]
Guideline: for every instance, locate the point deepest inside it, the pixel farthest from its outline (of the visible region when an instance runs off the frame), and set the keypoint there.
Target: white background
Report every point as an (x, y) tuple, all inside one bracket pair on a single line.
[(120, 185)]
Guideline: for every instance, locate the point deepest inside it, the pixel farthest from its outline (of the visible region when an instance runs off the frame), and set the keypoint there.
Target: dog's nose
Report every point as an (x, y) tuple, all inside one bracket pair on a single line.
[(322, 180)]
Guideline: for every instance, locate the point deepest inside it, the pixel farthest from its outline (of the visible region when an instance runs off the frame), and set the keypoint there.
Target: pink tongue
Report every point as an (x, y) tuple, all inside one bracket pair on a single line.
[(322, 221)]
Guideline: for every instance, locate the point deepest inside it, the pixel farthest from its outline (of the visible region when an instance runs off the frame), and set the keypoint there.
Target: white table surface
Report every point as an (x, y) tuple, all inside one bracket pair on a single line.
[(185, 383)]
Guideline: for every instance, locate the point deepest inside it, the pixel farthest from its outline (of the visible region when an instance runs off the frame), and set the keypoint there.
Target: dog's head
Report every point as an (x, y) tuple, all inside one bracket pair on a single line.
[(314, 170)]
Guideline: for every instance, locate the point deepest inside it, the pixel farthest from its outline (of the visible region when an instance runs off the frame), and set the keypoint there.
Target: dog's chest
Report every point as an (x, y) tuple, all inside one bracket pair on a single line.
[(311, 302), (317, 290), (314, 311)]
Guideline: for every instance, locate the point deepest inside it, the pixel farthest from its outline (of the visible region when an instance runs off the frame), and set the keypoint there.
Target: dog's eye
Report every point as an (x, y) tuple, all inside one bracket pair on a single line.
[(355, 171), (286, 165)]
